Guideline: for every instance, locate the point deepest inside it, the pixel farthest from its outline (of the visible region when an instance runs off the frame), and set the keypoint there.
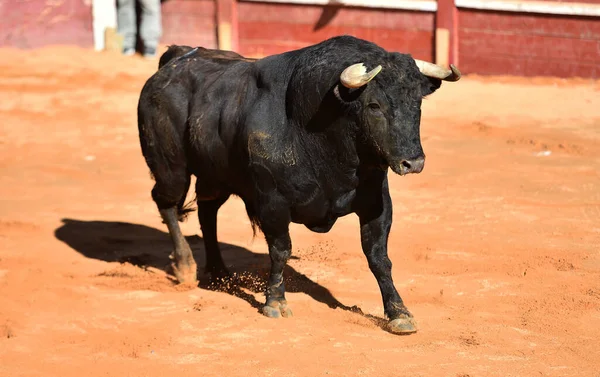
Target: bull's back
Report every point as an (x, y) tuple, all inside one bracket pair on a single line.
[(176, 51)]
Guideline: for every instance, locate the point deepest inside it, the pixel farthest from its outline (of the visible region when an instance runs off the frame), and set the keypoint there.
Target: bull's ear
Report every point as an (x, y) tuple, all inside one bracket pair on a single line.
[(429, 85)]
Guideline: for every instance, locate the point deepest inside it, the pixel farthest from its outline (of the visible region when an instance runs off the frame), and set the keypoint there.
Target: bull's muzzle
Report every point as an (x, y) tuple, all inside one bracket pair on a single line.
[(404, 167)]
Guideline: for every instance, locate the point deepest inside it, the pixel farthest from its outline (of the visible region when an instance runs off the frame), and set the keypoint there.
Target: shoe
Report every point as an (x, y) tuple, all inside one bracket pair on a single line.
[(150, 52), (128, 51)]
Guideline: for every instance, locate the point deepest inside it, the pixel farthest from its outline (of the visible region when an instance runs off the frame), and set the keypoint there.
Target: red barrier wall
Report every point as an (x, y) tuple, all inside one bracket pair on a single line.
[(485, 42), (36, 23), (189, 22), (269, 28), (528, 44)]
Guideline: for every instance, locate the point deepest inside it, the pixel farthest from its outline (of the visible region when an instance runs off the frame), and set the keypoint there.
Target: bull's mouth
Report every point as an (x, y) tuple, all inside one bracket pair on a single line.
[(408, 166)]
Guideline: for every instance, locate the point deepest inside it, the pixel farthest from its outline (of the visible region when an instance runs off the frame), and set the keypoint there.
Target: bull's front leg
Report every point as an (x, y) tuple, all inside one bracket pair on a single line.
[(375, 214), (280, 250), (274, 218)]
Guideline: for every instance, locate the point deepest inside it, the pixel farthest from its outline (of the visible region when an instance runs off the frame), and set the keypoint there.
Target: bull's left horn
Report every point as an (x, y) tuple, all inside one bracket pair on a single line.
[(356, 75), (435, 71)]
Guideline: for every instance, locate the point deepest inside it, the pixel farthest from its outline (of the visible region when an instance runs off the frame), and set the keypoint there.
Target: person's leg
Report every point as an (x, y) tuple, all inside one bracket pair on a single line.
[(126, 24), (150, 26)]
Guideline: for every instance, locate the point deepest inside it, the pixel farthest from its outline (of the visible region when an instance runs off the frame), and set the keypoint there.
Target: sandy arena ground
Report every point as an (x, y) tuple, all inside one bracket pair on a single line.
[(496, 245)]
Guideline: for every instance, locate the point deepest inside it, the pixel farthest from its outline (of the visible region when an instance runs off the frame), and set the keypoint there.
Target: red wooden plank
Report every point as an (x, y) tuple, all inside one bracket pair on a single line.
[(189, 22), (227, 24), (418, 43), (498, 43), (446, 33), (265, 48), (197, 7), (183, 22), (311, 14), (526, 66), (445, 14), (206, 39), (528, 44), (37, 23), (261, 49), (270, 28), (526, 23)]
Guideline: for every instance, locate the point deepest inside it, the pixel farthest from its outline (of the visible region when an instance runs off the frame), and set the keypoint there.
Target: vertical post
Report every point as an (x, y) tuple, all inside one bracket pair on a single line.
[(446, 33), (227, 25), (104, 15)]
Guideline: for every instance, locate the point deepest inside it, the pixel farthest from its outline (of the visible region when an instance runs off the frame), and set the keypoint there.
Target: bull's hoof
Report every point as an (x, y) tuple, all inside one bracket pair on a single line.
[(185, 273), (402, 326), (277, 309), (286, 311)]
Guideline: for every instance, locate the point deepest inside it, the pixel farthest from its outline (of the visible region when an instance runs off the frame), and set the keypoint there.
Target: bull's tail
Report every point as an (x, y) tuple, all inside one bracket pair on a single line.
[(183, 208)]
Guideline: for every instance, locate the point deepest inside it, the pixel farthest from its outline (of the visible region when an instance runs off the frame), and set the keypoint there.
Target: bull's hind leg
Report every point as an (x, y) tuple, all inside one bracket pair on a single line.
[(207, 215), (168, 198), (161, 121), (184, 266)]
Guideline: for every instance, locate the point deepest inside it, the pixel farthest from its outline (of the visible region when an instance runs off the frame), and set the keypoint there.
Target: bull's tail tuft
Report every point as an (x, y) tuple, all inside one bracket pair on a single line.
[(183, 209)]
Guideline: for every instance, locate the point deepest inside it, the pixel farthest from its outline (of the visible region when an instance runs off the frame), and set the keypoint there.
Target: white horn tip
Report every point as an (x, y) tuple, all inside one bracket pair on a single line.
[(456, 75)]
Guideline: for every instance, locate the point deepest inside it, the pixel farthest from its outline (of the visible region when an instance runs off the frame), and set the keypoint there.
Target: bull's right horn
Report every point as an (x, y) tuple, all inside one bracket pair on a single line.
[(356, 75), (435, 71)]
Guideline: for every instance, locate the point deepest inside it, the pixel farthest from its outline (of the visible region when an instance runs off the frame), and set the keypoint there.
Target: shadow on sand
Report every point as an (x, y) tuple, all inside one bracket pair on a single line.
[(144, 246)]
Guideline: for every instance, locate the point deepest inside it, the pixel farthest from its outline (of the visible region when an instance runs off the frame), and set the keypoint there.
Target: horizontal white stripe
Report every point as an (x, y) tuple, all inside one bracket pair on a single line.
[(544, 7), (418, 5)]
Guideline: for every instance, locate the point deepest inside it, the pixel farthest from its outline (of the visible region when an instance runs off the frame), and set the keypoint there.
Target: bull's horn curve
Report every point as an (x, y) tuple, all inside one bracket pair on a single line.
[(435, 71), (356, 75)]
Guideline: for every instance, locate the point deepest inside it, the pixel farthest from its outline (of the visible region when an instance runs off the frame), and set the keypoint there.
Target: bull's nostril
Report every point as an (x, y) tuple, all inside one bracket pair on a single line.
[(407, 166)]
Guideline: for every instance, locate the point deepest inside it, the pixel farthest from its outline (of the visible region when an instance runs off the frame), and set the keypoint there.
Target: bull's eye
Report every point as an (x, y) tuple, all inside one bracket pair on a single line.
[(374, 106)]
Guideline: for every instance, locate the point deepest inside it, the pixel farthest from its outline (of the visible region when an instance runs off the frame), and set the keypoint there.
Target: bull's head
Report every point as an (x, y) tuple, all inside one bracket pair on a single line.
[(390, 113)]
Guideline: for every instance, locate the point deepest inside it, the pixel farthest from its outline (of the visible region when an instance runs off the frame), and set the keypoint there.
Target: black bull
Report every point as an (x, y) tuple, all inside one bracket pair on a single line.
[(306, 136)]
